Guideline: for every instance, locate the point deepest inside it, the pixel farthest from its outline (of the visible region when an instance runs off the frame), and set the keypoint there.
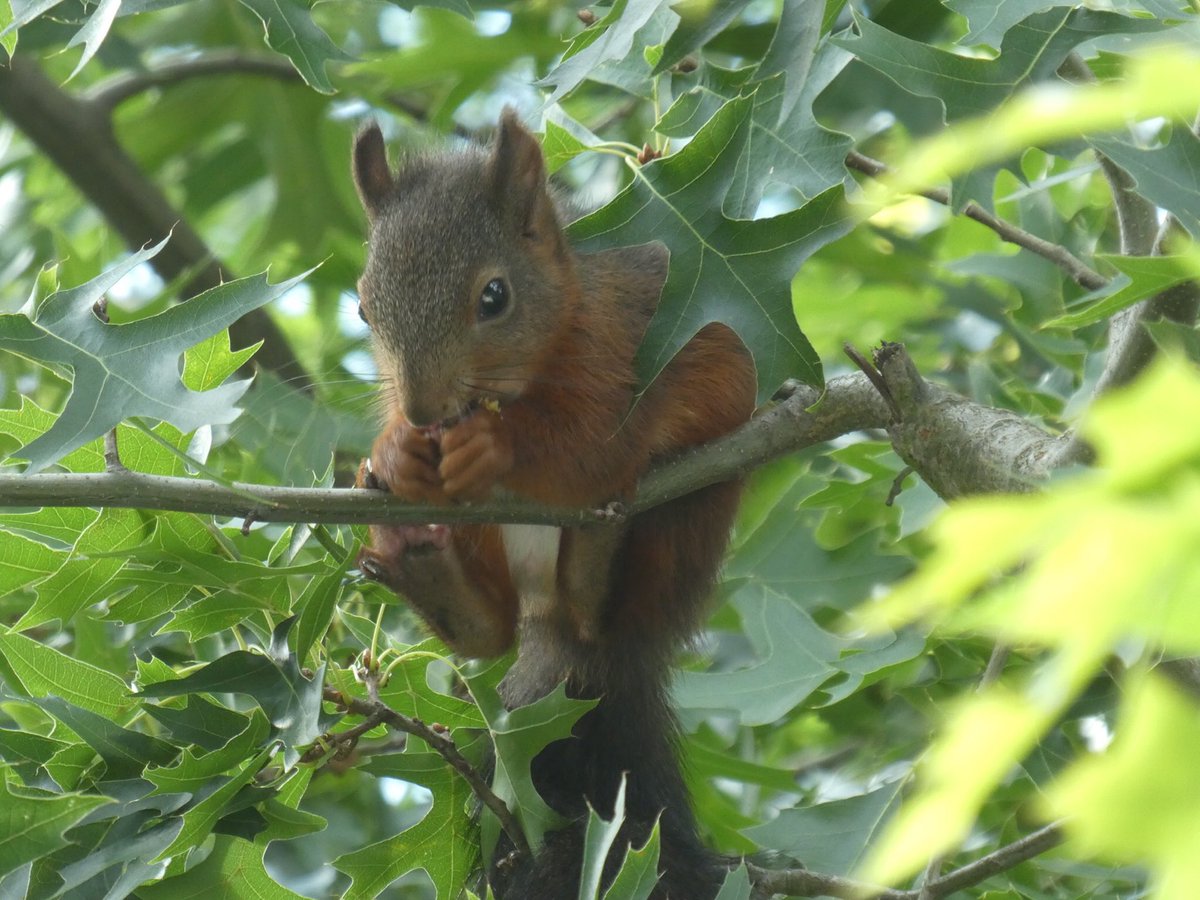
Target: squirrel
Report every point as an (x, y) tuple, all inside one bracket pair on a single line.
[(507, 363)]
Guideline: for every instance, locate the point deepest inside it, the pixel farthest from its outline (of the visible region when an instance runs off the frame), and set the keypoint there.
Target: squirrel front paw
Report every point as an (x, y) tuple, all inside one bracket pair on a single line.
[(404, 460), (476, 453)]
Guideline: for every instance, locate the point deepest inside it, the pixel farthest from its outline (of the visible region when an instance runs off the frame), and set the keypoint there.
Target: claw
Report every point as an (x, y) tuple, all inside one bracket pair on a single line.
[(369, 566)]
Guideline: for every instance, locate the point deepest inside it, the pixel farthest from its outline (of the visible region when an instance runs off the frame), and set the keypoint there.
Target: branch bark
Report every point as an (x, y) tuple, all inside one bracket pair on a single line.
[(956, 445), (77, 135)]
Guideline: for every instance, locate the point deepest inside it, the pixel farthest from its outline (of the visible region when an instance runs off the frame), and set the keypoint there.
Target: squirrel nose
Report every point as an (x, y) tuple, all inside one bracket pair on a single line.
[(421, 413)]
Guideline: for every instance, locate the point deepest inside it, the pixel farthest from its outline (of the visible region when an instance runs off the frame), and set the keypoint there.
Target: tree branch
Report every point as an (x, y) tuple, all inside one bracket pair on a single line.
[(110, 94), (956, 445), (1079, 271), (376, 711), (848, 404), (803, 883), (1130, 346), (78, 137)]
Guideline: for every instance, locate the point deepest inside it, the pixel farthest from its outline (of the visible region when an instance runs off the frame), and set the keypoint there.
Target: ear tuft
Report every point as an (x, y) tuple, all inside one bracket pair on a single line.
[(517, 171), (372, 176)]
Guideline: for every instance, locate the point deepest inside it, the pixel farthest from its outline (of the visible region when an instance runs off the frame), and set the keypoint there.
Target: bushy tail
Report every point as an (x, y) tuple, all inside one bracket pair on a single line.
[(631, 733)]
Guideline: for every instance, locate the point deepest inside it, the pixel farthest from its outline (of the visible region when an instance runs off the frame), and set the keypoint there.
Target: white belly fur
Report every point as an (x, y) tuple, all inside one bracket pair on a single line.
[(532, 552)]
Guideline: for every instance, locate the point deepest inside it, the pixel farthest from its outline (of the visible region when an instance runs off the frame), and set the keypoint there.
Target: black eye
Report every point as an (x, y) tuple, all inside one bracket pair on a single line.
[(362, 314), (493, 301)]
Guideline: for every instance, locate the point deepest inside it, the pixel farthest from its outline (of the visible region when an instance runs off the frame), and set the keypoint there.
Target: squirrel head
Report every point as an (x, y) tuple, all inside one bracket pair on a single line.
[(469, 276)]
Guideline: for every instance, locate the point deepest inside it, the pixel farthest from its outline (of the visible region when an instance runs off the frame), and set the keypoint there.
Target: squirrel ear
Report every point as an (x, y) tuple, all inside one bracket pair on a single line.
[(372, 176), (517, 172)]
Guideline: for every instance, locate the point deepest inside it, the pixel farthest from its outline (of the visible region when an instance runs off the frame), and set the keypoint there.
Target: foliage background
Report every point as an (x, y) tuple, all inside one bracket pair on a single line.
[(821, 725)]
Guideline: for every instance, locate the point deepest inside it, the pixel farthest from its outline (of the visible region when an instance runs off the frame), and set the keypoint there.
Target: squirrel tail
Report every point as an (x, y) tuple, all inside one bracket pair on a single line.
[(664, 577), (631, 733)]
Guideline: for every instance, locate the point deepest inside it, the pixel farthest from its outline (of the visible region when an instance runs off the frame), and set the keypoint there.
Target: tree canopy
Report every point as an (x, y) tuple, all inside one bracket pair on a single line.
[(955, 646)]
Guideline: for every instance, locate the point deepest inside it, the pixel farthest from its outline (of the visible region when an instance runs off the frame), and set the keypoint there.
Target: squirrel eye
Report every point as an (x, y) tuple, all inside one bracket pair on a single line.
[(494, 300), (362, 314)]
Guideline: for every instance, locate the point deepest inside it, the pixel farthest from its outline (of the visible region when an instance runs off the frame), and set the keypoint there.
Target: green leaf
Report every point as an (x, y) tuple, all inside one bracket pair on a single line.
[(291, 701), (209, 615), (200, 722), (609, 40), (8, 40), (83, 580), (211, 361), (699, 22), (92, 34), (797, 658), (830, 837), (27, 561), (598, 837), (137, 829), (737, 885), (519, 735), (1147, 276), (786, 144), (128, 370), (42, 671), (722, 270), (1150, 766), (32, 823), (233, 870), (990, 21), (125, 753), (443, 843), (24, 746), (318, 601), (408, 690), (560, 146), (1168, 176), (199, 820), (1031, 51), (291, 31), (195, 770), (638, 874)]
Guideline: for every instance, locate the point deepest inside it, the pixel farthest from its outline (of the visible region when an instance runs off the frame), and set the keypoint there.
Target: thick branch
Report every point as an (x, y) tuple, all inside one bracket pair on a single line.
[(441, 743), (960, 447), (78, 137), (1079, 271), (110, 94)]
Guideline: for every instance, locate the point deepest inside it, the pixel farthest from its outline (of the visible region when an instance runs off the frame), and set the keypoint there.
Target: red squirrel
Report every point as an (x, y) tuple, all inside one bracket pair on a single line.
[(507, 358)]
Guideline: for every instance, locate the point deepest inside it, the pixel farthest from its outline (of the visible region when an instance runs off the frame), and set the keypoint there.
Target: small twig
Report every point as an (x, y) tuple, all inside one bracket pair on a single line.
[(1079, 271), (444, 747), (803, 883), (1001, 860), (995, 666), (898, 485), (112, 454), (874, 376)]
